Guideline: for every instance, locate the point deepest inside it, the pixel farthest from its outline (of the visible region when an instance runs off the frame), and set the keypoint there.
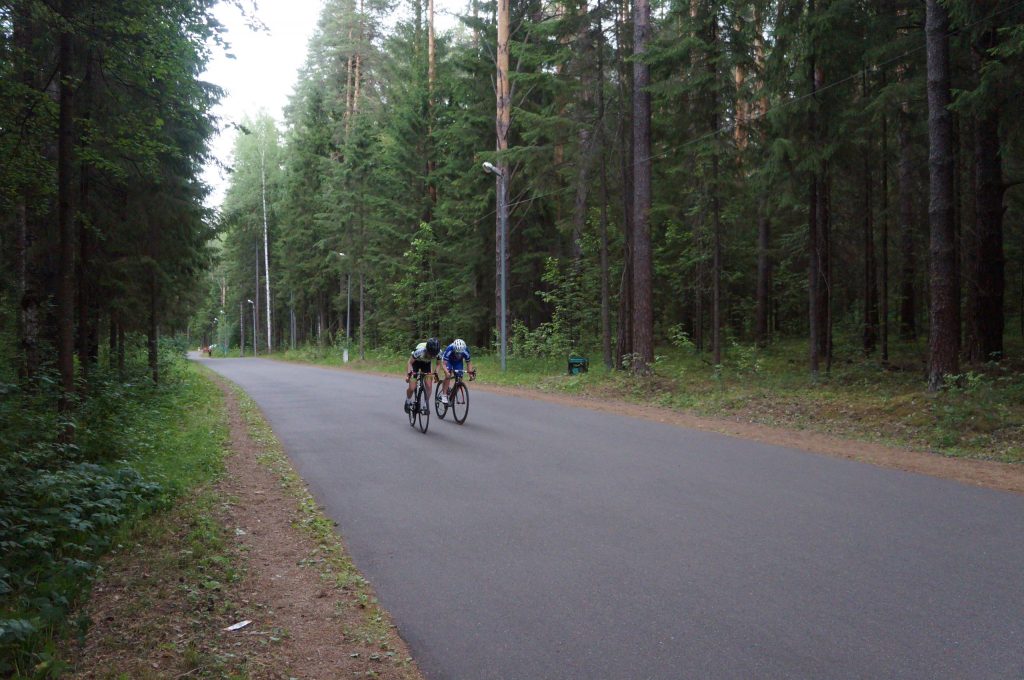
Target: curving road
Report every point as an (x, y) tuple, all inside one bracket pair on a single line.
[(542, 541)]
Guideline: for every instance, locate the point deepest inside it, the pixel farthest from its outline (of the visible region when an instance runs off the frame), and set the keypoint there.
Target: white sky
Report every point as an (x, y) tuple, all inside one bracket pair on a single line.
[(266, 64)]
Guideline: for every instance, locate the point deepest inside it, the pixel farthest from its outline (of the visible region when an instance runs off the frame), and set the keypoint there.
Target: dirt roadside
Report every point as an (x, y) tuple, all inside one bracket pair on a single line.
[(161, 608), (990, 474)]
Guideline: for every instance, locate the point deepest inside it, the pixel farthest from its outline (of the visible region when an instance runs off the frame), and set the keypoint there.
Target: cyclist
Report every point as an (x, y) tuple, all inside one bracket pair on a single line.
[(451, 361), (420, 360)]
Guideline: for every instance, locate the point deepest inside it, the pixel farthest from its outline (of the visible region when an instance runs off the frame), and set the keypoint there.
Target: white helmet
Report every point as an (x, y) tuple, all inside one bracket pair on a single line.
[(459, 346)]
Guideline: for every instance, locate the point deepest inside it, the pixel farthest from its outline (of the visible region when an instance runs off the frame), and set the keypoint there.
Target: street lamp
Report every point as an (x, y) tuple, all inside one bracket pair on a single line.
[(253, 306), (348, 304), (502, 249)]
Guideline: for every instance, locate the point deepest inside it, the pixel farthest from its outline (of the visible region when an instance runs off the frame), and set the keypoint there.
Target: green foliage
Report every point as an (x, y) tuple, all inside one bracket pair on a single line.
[(63, 504)]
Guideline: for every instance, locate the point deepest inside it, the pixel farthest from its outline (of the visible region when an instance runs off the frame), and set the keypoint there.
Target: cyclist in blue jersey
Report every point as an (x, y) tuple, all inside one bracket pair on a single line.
[(420, 360), (451, 361)]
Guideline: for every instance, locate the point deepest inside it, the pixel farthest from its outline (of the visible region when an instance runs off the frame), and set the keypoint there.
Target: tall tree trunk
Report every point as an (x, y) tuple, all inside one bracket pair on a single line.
[(870, 333), (825, 265), (908, 266), (813, 278), (120, 348), (716, 213), (431, 76), (643, 310), (362, 316), (764, 276), (256, 306), (152, 330), (86, 329), (266, 237), (762, 325), (814, 246), (112, 341), (884, 245), (624, 340), (989, 275), (65, 217), (944, 328), (29, 298), (606, 324)]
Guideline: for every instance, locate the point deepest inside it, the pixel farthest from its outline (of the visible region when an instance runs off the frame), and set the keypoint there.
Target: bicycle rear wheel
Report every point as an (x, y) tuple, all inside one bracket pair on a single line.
[(422, 409), (411, 410), (460, 402), (440, 408)]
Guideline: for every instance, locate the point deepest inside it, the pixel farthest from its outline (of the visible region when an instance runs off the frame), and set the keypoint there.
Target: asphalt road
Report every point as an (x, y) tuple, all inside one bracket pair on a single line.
[(542, 541)]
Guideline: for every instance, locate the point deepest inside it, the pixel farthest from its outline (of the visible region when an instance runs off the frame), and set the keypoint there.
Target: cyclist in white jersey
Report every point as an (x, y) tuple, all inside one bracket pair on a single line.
[(420, 359)]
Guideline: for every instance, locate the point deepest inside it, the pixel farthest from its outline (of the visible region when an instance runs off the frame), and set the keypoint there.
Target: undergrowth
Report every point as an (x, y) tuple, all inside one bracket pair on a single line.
[(64, 502)]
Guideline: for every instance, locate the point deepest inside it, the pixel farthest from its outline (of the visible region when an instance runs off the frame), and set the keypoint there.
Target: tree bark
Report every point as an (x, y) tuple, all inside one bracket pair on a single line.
[(431, 76), (606, 324), (624, 340), (884, 245), (152, 338), (870, 331), (814, 245), (944, 328), (643, 311), (716, 212), (65, 217), (120, 348), (29, 297), (764, 276), (908, 266), (989, 275)]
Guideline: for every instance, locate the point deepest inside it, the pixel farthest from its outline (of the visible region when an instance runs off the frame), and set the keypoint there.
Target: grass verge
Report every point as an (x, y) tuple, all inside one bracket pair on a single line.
[(139, 449)]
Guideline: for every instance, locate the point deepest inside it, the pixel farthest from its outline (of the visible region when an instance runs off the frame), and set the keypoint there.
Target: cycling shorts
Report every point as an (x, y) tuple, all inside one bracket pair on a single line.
[(423, 366), (454, 365)]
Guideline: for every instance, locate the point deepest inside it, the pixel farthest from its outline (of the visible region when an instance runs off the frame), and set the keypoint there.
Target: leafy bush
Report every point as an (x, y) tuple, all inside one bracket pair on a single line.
[(61, 503)]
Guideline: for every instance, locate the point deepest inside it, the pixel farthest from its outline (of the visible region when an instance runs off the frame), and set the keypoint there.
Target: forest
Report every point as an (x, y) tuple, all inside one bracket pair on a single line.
[(704, 173), (838, 181)]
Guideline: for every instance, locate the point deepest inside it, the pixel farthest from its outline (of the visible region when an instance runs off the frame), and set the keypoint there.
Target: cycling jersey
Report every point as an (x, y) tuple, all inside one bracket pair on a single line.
[(451, 360), (421, 353)]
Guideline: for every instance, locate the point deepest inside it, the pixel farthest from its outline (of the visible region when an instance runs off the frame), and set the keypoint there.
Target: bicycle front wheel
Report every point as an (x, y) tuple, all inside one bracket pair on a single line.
[(440, 408), (422, 409), (459, 402)]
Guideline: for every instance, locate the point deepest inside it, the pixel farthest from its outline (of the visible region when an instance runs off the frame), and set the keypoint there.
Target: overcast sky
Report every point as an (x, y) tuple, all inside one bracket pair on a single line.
[(266, 64)]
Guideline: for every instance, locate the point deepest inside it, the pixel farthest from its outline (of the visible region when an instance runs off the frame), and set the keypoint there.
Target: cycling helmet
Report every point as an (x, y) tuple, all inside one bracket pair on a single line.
[(433, 346), (459, 346)]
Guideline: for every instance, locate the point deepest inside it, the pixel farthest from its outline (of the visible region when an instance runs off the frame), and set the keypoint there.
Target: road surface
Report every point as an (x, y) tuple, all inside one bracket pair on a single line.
[(544, 541)]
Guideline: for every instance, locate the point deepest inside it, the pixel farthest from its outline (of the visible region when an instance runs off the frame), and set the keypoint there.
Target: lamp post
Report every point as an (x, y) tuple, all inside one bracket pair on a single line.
[(241, 328), (348, 303), (502, 206), (221, 334), (253, 305)]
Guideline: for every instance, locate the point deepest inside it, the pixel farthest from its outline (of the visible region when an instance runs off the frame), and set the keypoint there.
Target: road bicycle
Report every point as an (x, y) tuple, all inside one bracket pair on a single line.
[(419, 411), (458, 398)]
